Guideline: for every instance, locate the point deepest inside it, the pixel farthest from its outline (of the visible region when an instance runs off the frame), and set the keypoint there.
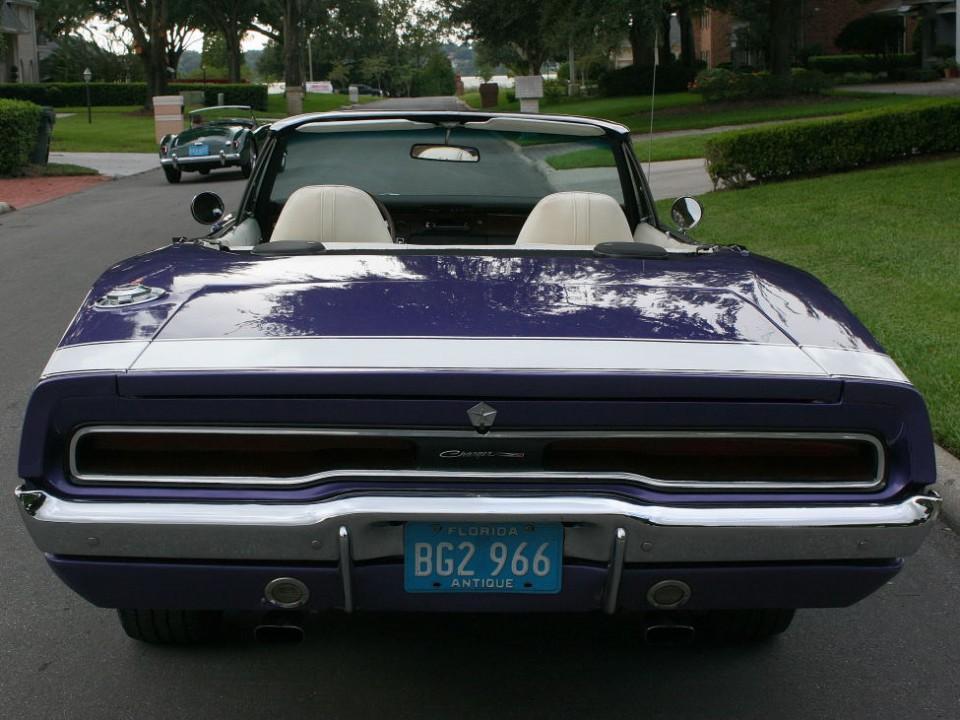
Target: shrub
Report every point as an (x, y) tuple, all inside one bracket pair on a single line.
[(19, 122), (725, 85), (554, 90), (832, 146), (74, 94), (840, 64), (915, 75), (638, 79), (856, 78)]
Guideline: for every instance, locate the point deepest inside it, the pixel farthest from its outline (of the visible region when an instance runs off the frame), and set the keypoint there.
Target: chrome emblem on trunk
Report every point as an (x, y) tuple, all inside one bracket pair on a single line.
[(482, 417)]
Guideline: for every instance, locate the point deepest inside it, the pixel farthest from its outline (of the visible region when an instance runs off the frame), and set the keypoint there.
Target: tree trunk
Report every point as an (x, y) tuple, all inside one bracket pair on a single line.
[(782, 28), (641, 42), (688, 52), (155, 53), (231, 38), (292, 45)]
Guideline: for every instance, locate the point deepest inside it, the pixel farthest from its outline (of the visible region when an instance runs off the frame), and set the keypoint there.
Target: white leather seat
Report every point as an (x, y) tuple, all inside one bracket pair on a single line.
[(575, 218), (331, 214)]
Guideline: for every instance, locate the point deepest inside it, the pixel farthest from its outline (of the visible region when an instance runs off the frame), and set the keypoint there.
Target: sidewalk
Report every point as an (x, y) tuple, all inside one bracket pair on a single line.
[(110, 164), (937, 88)]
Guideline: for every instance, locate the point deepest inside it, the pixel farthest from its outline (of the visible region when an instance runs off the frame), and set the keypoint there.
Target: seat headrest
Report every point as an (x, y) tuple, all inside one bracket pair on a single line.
[(331, 214), (575, 218)]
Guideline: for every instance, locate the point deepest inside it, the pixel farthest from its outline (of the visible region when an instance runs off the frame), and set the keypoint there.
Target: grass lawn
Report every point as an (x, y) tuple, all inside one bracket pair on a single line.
[(59, 170), (127, 128), (885, 241), (114, 129), (687, 111)]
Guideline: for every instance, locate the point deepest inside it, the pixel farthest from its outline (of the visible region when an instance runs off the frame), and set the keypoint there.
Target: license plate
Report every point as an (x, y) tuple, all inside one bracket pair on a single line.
[(199, 150), (483, 557)]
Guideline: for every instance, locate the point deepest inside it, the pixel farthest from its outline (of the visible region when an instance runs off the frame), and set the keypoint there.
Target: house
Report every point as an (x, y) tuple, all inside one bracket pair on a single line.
[(938, 24), (717, 39), (18, 46)]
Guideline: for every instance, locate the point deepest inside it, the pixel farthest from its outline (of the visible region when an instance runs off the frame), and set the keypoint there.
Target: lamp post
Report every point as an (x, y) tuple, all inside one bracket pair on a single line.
[(87, 76)]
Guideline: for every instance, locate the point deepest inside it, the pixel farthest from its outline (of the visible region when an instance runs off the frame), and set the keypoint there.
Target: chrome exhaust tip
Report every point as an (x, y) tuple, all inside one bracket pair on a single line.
[(278, 631), (669, 634)]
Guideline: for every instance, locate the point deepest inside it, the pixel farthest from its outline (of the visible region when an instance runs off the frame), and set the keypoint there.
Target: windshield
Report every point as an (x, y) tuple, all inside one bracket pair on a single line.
[(505, 168)]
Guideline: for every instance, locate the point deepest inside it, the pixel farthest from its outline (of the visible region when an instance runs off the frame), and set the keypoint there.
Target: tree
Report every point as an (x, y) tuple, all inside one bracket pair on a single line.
[(514, 32), (152, 26), (871, 35), (772, 23), (230, 19), (57, 18)]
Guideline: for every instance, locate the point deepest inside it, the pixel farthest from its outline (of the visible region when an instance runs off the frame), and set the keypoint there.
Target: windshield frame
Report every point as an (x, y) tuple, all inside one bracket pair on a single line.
[(638, 200)]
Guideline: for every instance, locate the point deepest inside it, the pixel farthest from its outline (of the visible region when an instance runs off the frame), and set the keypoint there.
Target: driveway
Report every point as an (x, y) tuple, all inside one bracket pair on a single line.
[(111, 164), (420, 103), (939, 88)]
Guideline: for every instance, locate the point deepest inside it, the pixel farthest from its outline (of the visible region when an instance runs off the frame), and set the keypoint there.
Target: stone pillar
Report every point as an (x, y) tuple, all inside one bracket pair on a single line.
[(529, 89), (167, 115)]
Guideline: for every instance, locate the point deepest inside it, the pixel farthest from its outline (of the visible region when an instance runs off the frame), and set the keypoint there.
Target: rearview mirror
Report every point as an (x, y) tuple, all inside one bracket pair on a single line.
[(445, 153), (206, 208), (687, 212)]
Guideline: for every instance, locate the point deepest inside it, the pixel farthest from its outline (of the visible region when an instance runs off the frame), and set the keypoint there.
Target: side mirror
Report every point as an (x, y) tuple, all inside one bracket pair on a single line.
[(206, 208), (687, 212)]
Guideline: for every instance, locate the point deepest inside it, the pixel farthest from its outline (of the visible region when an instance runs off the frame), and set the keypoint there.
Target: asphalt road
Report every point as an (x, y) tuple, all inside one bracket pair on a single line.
[(893, 656)]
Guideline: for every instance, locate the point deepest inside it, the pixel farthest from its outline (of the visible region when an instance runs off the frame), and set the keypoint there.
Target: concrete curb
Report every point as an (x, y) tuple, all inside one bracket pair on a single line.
[(948, 485), (6, 207)]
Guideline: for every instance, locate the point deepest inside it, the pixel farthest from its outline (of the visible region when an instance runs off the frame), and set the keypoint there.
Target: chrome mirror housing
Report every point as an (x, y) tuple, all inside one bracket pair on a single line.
[(687, 212), (206, 208)]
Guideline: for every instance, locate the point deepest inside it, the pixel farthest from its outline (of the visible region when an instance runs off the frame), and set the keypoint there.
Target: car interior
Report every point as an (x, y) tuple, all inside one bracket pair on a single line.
[(494, 189)]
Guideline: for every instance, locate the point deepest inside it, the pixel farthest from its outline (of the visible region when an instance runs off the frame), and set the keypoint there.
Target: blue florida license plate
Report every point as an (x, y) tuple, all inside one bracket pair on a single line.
[(199, 150), (483, 557)]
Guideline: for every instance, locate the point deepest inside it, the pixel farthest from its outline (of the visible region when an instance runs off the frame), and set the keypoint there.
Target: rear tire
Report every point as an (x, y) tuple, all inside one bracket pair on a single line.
[(738, 627), (171, 627), (173, 174)]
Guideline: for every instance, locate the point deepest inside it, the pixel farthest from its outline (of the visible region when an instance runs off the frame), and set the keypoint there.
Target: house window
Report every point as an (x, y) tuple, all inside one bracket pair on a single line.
[(705, 21), (705, 56)]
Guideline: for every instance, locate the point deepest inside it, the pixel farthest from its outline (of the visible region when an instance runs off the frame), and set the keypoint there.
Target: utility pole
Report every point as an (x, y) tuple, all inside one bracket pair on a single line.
[(310, 56)]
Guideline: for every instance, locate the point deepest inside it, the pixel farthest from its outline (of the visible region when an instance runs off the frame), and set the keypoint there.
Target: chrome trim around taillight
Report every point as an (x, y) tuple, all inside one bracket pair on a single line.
[(467, 475)]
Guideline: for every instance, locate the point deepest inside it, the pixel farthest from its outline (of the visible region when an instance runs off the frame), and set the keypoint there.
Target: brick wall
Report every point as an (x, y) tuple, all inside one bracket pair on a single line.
[(821, 22)]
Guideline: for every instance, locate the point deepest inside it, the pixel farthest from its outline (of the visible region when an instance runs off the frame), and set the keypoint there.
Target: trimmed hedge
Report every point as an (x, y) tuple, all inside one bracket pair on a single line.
[(74, 94), (840, 64), (857, 140), (19, 122), (638, 79)]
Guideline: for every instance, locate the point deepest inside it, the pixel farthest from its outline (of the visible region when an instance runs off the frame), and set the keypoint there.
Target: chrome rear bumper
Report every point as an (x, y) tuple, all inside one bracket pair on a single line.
[(222, 158), (374, 524)]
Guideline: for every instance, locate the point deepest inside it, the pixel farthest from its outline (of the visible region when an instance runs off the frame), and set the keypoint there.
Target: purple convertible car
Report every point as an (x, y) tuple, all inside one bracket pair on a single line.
[(421, 369)]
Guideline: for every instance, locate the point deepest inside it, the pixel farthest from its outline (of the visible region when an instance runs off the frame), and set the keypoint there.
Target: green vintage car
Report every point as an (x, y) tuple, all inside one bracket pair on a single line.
[(218, 137)]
